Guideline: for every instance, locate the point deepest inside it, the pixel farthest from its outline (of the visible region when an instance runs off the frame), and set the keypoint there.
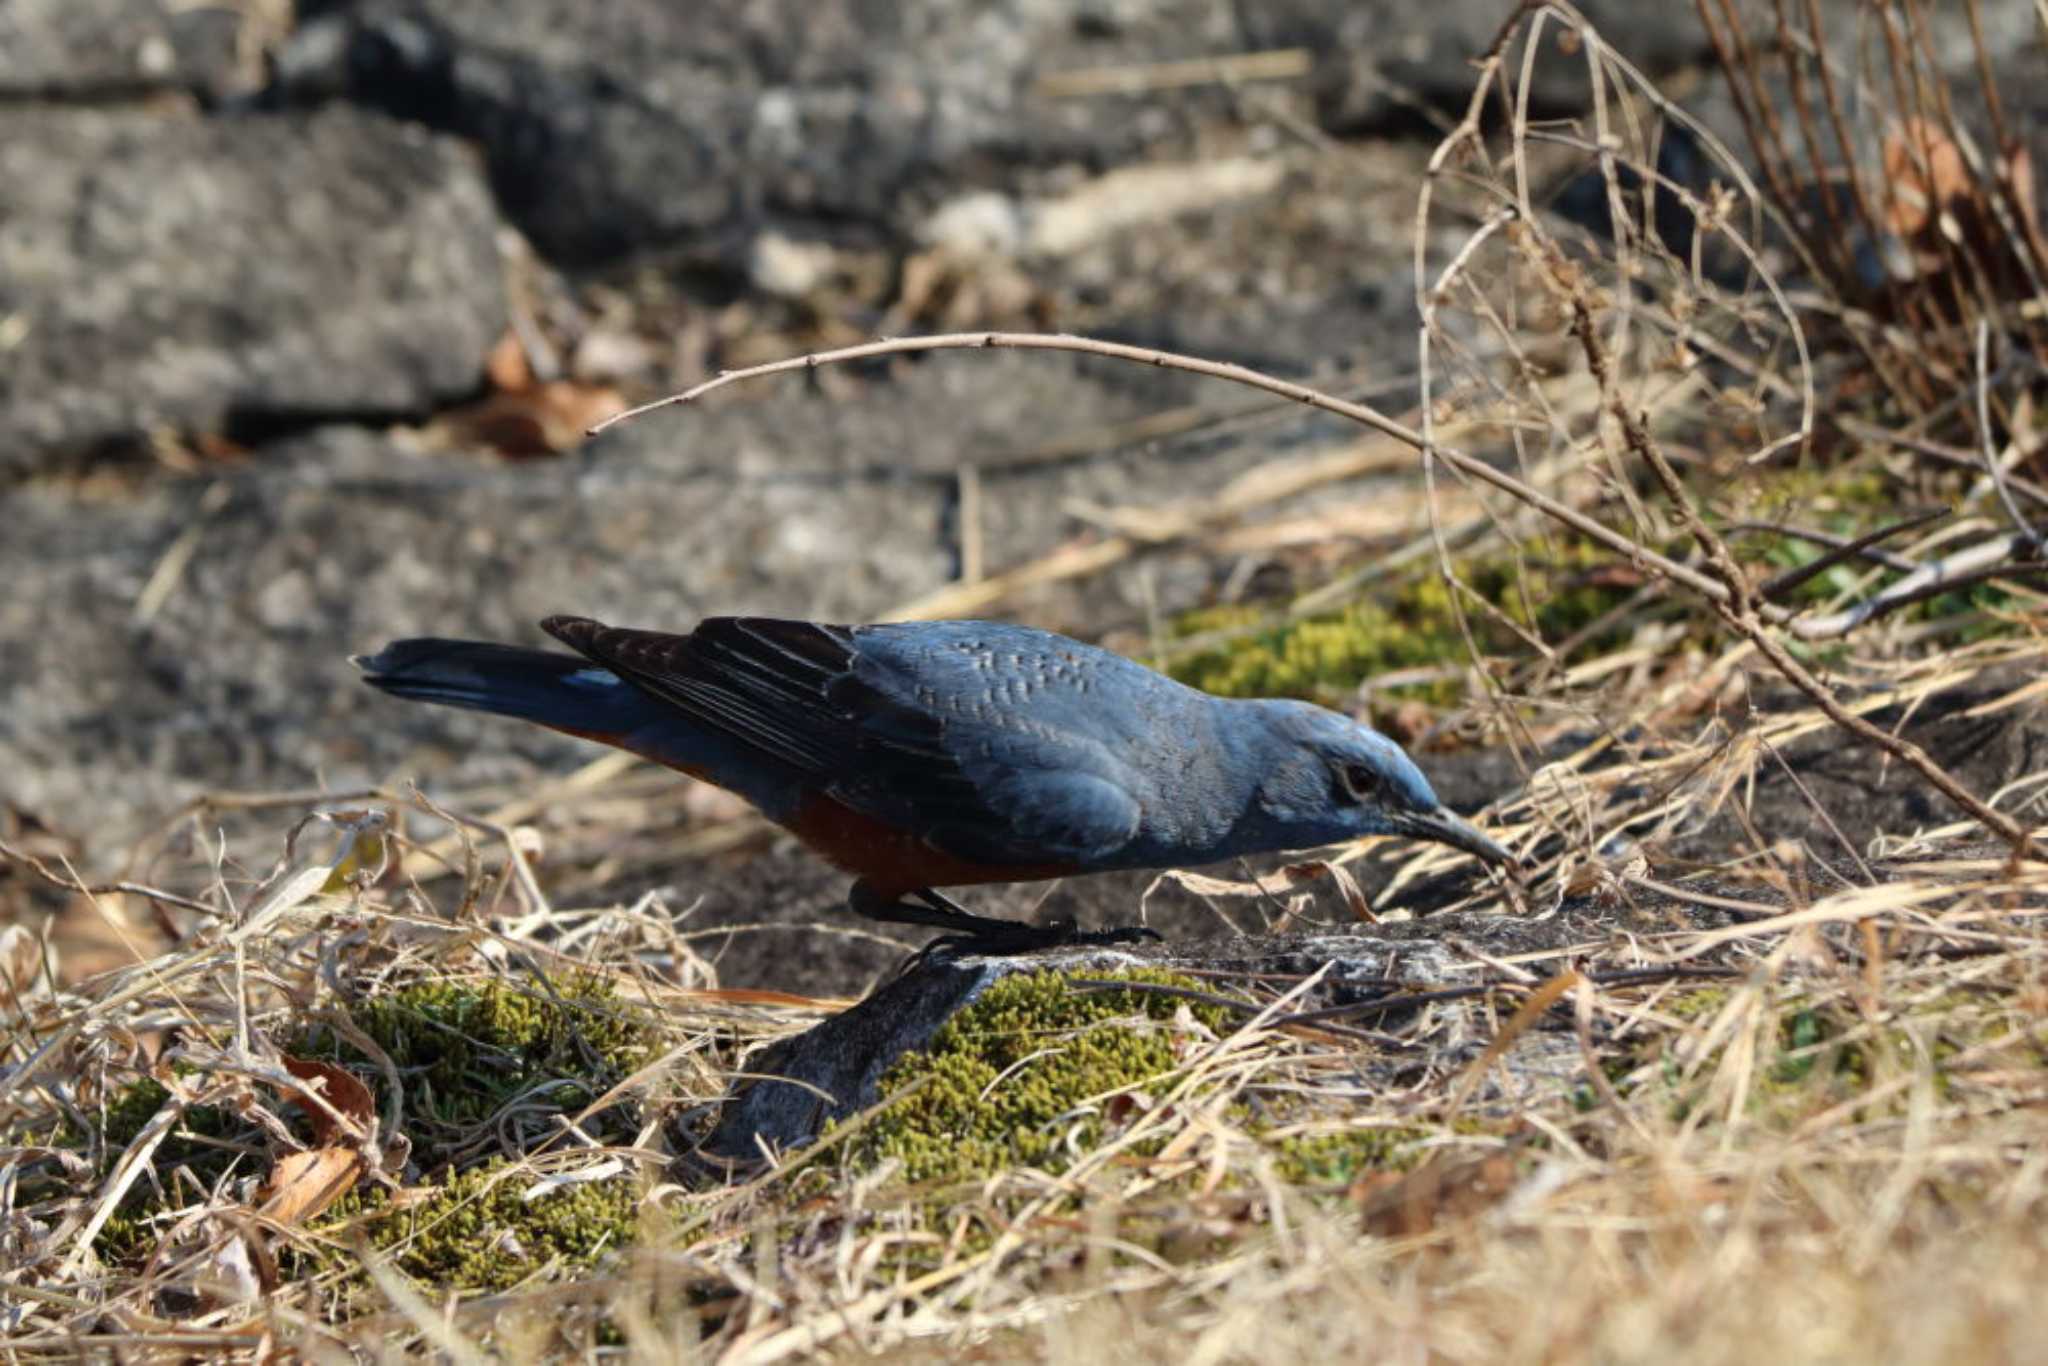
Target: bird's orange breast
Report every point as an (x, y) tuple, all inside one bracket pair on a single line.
[(895, 861)]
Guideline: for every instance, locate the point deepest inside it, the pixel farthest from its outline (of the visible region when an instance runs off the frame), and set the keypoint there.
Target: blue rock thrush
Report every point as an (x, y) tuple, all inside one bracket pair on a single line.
[(937, 754)]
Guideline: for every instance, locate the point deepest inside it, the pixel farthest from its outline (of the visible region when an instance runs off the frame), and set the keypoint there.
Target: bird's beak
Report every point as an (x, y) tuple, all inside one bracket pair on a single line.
[(1445, 828)]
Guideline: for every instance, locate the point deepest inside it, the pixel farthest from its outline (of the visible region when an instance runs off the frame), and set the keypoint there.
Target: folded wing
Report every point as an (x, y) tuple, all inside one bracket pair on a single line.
[(800, 696)]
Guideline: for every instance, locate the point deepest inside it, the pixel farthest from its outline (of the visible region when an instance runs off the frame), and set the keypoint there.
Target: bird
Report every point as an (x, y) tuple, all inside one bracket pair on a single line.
[(917, 756)]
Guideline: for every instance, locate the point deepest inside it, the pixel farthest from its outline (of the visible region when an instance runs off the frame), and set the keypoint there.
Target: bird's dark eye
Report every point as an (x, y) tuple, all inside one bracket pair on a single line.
[(1361, 784)]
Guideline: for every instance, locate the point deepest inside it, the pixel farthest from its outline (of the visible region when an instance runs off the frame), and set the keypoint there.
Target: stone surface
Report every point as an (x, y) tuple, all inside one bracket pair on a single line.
[(340, 542), (167, 272), (99, 49), (182, 264), (616, 127), (1376, 59)]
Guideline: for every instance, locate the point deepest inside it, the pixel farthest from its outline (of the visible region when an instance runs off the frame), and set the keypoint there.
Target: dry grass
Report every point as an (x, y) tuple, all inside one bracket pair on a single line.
[(1801, 1125)]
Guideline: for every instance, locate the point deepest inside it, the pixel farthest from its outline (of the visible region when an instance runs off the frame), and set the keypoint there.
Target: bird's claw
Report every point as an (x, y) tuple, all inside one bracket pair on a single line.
[(1015, 938)]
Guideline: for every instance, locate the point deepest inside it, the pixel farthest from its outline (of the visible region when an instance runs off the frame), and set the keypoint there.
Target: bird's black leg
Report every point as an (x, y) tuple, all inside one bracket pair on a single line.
[(979, 933)]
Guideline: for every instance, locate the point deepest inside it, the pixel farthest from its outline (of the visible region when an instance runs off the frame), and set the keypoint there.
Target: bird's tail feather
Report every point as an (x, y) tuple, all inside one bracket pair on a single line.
[(564, 691)]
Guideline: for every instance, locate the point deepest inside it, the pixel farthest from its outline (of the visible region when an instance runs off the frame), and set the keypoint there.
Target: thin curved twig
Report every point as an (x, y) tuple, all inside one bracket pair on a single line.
[(1638, 555)]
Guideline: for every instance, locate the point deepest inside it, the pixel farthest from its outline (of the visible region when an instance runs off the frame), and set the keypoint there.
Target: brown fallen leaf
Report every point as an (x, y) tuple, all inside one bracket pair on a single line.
[(341, 1089), (1407, 1204), (507, 366), (545, 419), (525, 416), (302, 1185), (1924, 171)]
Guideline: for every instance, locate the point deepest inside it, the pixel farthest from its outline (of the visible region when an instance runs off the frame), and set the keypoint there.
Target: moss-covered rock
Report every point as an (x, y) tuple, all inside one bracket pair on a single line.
[(1025, 1075)]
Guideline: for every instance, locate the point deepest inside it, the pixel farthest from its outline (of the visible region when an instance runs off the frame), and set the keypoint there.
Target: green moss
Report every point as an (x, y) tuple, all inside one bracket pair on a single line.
[(464, 1047), (128, 1110), (1698, 1003), (130, 1232), (1552, 590), (481, 1234), (1340, 1157), (1020, 1077), (478, 1232), (1321, 657), (1850, 503), (1825, 1053)]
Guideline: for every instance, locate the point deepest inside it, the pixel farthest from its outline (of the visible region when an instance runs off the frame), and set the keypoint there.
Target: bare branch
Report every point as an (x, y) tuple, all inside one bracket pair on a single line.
[(1634, 553)]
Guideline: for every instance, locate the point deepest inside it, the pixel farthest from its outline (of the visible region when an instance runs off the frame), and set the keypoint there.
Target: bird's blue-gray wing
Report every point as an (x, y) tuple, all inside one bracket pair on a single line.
[(895, 735)]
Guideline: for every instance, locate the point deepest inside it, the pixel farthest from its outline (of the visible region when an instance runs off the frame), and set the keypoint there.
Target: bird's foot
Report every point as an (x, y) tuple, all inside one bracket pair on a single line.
[(968, 933), (1002, 938)]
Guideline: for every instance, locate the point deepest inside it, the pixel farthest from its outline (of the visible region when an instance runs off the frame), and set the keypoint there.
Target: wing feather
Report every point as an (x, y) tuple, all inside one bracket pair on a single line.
[(790, 691)]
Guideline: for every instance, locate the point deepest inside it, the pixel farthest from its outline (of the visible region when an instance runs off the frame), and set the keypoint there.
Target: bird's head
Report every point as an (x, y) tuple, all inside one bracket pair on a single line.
[(1327, 778)]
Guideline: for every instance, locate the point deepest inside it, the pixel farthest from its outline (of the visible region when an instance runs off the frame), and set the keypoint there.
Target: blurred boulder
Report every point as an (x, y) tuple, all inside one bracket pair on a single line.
[(635, 124), (100, 49), (166, 273), (1379, 59)]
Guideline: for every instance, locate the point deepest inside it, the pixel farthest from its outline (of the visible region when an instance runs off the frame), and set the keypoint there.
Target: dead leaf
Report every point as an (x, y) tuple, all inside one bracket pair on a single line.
[(366, 853), (1411, 721), (1924, 171), (302, 1185), (1355, 899), (1201, 884), (230, 1275), (1314, 870), (754, 996), (340, 1088), (542, 420), (2018, 166), (1406, 1205), (21, 961), (507, 366)]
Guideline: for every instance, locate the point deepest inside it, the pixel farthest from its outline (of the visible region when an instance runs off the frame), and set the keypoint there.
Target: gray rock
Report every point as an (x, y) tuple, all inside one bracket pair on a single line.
[(1376, 57), (617, 127), (166, 272), (341, 541), (99, 49)]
